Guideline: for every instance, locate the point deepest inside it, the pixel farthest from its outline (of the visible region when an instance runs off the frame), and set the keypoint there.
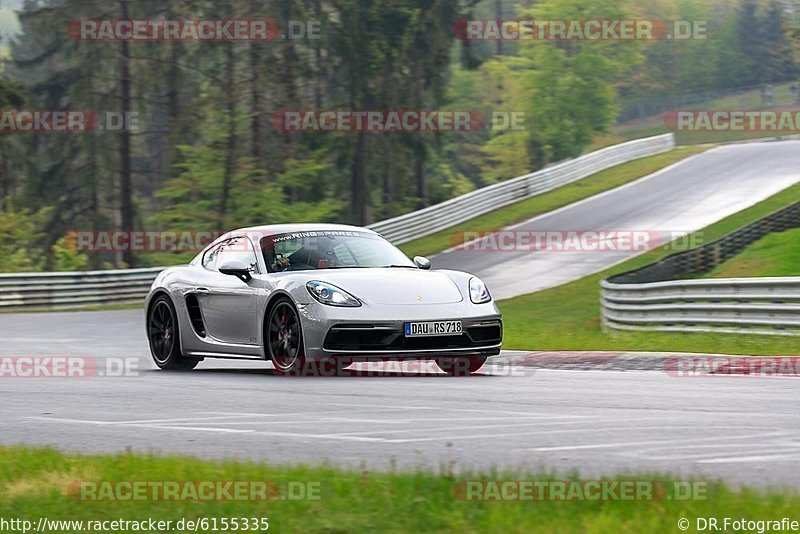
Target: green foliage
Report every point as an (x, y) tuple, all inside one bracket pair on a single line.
[(747, 44), (572, 84), (763, 45), (20, 240), (792, 27), (451, 183), (65, 257), (191, 200), (207, 156)]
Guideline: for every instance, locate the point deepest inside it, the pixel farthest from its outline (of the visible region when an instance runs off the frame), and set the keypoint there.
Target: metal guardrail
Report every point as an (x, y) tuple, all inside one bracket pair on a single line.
[(63, 290), (53, 291), (651, 298), (465, 207), (744, 305)]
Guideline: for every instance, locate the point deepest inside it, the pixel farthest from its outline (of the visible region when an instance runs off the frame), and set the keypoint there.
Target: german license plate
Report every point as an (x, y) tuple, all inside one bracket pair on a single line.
[(434, 328)]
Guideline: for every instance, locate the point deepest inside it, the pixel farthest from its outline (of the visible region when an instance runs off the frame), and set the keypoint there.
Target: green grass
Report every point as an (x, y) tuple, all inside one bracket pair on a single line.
[(525, 209), (568, 317), (34, 482), (652, 127), (750, 100), (776, 254)]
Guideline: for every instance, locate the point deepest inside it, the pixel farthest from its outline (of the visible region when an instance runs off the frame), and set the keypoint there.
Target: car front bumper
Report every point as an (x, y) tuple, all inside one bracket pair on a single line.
[(377, 332)]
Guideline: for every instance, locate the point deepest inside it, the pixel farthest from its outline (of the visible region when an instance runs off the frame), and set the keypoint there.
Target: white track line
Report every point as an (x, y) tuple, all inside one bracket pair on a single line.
[(753, 458), (208, 429), (658, 442)]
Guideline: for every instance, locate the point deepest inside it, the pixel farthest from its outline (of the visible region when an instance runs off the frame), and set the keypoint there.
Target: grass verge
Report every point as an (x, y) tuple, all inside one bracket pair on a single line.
[(568, 317), (640, 130), (563, 196), (775, 254), (94, 307), (34, 482), (747, 100)]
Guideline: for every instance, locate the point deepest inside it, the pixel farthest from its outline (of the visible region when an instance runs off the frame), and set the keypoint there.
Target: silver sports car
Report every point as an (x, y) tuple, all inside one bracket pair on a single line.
[(304, 294)]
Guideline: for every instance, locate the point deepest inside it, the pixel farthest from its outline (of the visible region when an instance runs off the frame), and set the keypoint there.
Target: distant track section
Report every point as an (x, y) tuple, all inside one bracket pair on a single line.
[(465, 207), (682, 198)]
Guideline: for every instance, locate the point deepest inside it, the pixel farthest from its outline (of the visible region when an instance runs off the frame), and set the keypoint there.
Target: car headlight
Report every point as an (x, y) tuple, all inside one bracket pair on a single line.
[(478, 292), (331, 295)]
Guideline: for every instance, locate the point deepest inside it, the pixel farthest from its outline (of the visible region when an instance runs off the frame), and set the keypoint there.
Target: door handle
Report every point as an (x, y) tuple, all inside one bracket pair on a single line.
[(203, 290)]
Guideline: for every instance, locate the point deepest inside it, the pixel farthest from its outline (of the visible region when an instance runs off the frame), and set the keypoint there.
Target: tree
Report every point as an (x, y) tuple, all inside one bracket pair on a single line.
[(777, 63), (572, 83)]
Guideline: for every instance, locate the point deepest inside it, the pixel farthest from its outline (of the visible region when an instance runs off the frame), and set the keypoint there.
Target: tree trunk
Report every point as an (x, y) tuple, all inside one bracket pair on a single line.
[(230, 148), (175, 135), (420, 157), (95, 260), (125, 188), (5, 183), (387, 179), (256, 138), (359, 182), (498, 14), (290, 60), (318, 62), (255, 106)]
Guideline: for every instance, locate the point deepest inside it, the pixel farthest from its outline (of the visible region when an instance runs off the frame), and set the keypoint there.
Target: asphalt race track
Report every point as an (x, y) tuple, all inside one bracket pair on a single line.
[(683, 198), (742, 429), (613, 416)]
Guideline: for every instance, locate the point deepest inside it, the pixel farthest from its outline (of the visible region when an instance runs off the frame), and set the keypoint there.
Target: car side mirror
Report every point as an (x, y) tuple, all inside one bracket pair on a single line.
[(236, 268), (422, 262)]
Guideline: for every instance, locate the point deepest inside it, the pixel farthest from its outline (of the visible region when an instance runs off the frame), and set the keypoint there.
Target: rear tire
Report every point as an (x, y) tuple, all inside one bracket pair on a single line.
[(283, 338), (164, 337), (462, 366)]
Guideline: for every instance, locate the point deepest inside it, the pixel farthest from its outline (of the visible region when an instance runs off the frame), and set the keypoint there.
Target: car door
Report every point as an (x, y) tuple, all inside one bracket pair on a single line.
[(228, 304)]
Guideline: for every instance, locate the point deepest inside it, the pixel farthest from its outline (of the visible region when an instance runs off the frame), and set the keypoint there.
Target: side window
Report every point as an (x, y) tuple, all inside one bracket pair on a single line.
[(210, 258), (238, 248)]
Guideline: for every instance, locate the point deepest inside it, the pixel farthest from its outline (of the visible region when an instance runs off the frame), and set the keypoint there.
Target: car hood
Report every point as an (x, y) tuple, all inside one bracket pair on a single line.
[(393, 286)]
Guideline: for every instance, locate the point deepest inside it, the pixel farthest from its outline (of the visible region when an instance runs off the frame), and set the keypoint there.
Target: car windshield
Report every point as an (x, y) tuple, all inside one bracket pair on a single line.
[(330, 249)]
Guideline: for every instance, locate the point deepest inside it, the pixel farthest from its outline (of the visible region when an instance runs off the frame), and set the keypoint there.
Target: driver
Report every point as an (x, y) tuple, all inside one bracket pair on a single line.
[(281, 264), (322, 260)]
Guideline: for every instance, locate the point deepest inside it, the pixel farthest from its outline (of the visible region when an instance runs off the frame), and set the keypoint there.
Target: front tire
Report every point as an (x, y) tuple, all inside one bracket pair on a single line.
[(283, 337), (164, 337), (462, 366)]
